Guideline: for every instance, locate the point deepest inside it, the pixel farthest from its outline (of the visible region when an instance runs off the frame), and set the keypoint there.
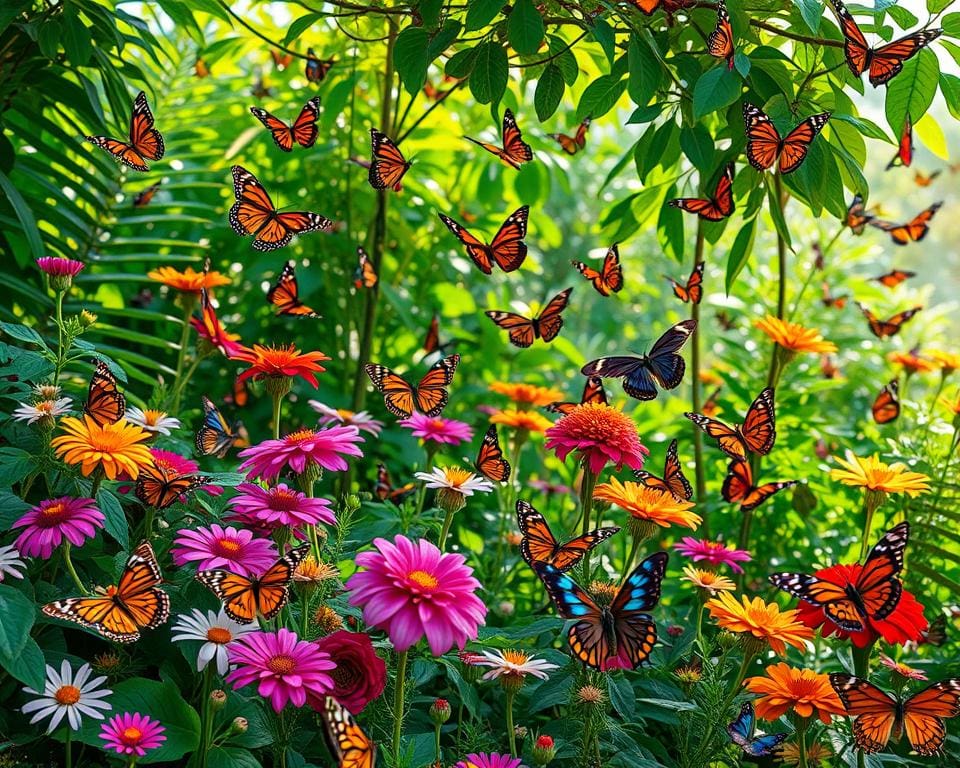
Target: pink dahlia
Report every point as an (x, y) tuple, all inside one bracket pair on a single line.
[(362, 420), (132, 734), (600, 435), (714, 552), (489, 760), (302, 450), (412, 589), (285, 667), (438, 430), (46, 525), (228, 548), (58, 267), (280, 505)]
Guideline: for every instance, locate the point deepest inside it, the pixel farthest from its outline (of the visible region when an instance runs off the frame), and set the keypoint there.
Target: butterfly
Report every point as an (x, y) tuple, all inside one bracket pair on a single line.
[(720, 42), (641, 373), (828, 368), (886, 406), (648, 7), (135, 602), (889, 327), (365, 276), (144, 196), (757, 434), (857, 218), (539, 545), (883, 63), (922, 180), (303, 131), (612, 636), (159, 487), (281, 60), (216, 436), (710, 407), (429, 397), (572, 144), (507, 249), (239, 396), (904, 154), (431, 342), (609, 279), (878, 715), (514, 151), (693, 290), (253, 214), (384, 489), (490, 462), (714, 208), (894, 277), (244, 597), (829, 300), (105, 403), (524, 330), (672, 480), (260, 89), (874, 595), (347, 742), (738, 487), (936, 633), (316, 68), (741, 732), (592, 393), (766, 147), (200, 68), (388, 166), (285, 295), (914, 230), (146, 143)]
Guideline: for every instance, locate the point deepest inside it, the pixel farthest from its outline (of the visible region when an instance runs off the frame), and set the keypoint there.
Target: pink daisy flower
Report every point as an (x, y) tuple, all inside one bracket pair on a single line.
[(304, 449), (228, 548), (600, 434), (362, 420), (489, 760), (286, 668), (439, 430), (131, 734), (46, 525), (58, 267), (714, 552), (411, 590), (280, 505)]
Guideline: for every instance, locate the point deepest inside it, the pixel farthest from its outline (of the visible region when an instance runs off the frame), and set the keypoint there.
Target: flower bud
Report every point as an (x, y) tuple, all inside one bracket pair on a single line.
[(543, 750), (450, 500), (440, 711), (87, 319), (506, 608), (675, 630), (218, 699), (238, 726), (327, 620)]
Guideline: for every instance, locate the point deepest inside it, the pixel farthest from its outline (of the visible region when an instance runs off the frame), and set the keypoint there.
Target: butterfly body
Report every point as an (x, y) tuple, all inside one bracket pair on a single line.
[(539, 545), (673, 479), (285, 294), (572, 144), (507, 249), (216, 436), (883, 329), (714, 208), (429, 397), (765, 146), (105, 403), (741, 732), (609, 278), (738, 487), (523, 331), (388, 166), (514, 152), (365, 276), (757, 434), (145, 142), (303, 131)]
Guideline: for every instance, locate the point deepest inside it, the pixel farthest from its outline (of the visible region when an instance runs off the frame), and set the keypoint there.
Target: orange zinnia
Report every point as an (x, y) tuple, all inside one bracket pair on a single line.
[(763, 622), (788, 689), (648, 504), (912, 362), (117, 448), (528, 420), (188, 281), (276, 362), (529, 394), (794, 337)]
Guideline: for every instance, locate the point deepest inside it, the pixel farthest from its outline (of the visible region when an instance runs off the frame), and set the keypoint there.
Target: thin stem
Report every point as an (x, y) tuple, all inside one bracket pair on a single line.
[(587, 484), (781, 253), (447, 521), (398, 704), (277, 403), (68, 749), (68, 564), (871, 500), (700, 476), (61, 352), (741, 674), (511, 731), (436, 743), (189, 301), (803, 748), (206, 728), (628, 563)]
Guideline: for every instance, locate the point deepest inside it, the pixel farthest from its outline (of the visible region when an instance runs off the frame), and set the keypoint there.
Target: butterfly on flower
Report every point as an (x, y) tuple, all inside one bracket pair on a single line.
[(388, 166), (720, 42), (757, 434), (316, 68), (507, 249), (523, 331), (514, 151), (490, 462), (765, 146), (714, 208), (217, 436), (592, 393), (539, 545), (572, 144), (904, 154), (912, 231), (144, 196), (303, 131), (738, 487), (742, 730), (365, 276), (882, 329), (351, 747), (886, 406), (145, 142), (105, 403), (285, 294), (829, 300), (429, 397), (857, 219), (693, 290), (609, 278), (673, 479), (159, 487), (384, 489)]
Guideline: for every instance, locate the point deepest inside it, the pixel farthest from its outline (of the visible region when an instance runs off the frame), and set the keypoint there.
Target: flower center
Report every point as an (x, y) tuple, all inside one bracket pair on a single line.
[(423, 579), (46, 407), (151, 417), (227, 547), (344, 414), (284, 500), (457, 476), (107, 439), (436, 424), (67, 695), (219, 635), (54, 514), (516, 657), (281, 664), (131, 736), (300, 436)]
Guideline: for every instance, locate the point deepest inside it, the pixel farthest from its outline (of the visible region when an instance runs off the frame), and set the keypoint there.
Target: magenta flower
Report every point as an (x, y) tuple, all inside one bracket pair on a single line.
[(411, 590), (58, 267), (286, 668), (714, 552), (181, 465), (131, 734), (488, 760), (438, 430), (228, 548), (46, 525), (302, 450), (599, 434), (279, 506)]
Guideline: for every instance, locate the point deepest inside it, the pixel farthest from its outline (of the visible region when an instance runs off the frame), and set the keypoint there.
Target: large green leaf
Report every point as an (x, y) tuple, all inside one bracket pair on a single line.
[(912, 91), (17, 614), (410, 54), (549, 91), (525, 27), (715, 89), (488, 80), (600, 96)]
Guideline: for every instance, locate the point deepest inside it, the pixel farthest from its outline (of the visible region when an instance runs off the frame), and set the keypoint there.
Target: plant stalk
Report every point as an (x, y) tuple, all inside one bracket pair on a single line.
[(587, 485), (700, 476), (398, 704), (68, 564)]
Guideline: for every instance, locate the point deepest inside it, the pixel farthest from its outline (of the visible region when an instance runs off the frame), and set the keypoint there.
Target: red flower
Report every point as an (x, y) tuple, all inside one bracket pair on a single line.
[(360, 675)]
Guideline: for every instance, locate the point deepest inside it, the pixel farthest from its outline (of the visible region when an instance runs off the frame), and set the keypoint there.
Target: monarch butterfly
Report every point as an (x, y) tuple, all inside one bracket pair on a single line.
[(829, 300), (641, 373), (303, 131), (316, 68), (431, 342), (384, 489), (614, 636), (146, 143), (159, 487), (857, 218), (670, 7), (714, 208), (894, 277), (693, 290), (346, 740), (914, 230), (244, 598), (874, 595), (741, 732), (514, 151), (285, 294), (904, 154), (592, 393), (120, 613), (672, 480), (877, 715), (239, 396), (216, 436), (923, 180), (429, 397), (105, 403), (523, 331), (720, 42), (365, 276), (490, 462), (765, 146), (254, 214), (886, 406), (883, 63), (507, 249), (388, 166), (889, 327), (281, 60), (609, 279), (572, 144), (738, 487), (144, 196), (757, 434), (539, 545)]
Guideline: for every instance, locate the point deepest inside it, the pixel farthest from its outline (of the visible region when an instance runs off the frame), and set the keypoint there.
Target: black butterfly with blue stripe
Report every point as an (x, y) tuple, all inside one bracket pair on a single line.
[(741, 733)]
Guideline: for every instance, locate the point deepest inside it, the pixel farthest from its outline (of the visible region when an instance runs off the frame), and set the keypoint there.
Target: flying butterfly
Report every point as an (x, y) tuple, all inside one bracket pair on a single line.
[(592, 393), (693, 290), (200, 68), (894, 277), (144, 196), (388, 166), (738, 487), (365, 276), (713, 208), (828, 368), (490, 462), (431, 342), (913, 231), (829, 300), (507, 249), (316, 68), (514, 151), (923, 180), (673, 479), (217, 436), (757, 434), (572, 144), (285, 294), (609, 278), (303, 131), (889, 327), (523, 331), (281, 60), (145, 143), (135, 603), (159, 486), (857, 217), (105, 403), (347, 742), (539, 545), (886, 406), (904, 154), (429, 397), (259, 89), (384, 489), (936, 633), (720, 42), (741, 732), (765, 146)]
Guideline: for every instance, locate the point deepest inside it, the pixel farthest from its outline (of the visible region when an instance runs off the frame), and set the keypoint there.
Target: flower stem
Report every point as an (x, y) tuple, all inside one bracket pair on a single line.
[(511, 731), (398, 704), (436, 742), (803, 748), (447, 522), (587, 484), (700, 480), (95, 483), (61, 352), (68, 564), (206, 727), (744, 666), (277, 403), (628, 563), (189, 301), (431, 451), (68, 749), (871, 500)]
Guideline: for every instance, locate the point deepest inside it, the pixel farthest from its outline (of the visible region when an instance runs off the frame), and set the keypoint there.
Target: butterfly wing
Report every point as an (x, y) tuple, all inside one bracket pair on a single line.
[(877, 585), (738, 487), (215, 437), (904, 154), (763, 139), (592, 393), (346, 740), (886, 406), (253, 209), (609, 279), (388, 165), (550, 320), (822, 593), (490, 462), (588, 639), (365, 275), (236, 592), (515, 151), (857, 218), (720, 42), (797, 143), (917, 228), (636, 632), (315, 69), (507, 247), (521, 330), (105, 404), (397, 393), (893, 278), (874, 711), (925, 711), (144, 197), (159, 488), (665, 365), (431, 394), (281, 132), (479, 252), (431, 342), (304, 128), (694, 287), (887, 60), (759, 430), (144, 137), (714, 208), (538, 544), (285, 294), (673, 475), (272, 589)]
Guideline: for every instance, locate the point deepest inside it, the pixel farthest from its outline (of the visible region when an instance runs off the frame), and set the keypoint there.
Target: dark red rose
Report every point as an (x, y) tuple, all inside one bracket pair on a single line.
[(360, 675)]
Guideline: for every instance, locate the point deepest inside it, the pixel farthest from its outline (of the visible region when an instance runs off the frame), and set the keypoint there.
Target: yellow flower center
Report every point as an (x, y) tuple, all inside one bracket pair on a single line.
[(53, 514), (423, 579), (67, 695), (227, 547), (219, 635), (457, 476), (284, 500), (299, 436), (151, 417), (281, 664), (516, 657), (344, 414), (131, 735)]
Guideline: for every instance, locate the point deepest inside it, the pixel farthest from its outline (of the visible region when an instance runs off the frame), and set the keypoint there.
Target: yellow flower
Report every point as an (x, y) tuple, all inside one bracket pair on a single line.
[(801, 691), (312, 572), (875, 475), (117, 448), (529, 394), (188, 281), (528, 420), (763, 622), (947, 361), (817, 754), (707, 580), (648, 504), (794, 336), (912, 362)]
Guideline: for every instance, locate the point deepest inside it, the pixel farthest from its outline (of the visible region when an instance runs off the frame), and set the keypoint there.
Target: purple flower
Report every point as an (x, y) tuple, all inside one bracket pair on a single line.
[(302, 450), (279, 506), (227, 548), (50, 522), (714, 552), (132, 734), (438, 430)]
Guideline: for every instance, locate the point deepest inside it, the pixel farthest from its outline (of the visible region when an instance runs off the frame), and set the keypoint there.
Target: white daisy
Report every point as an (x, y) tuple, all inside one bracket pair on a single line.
[(362, 420), (66, 694), (516, 663), (152, 420), (215, 630), (456, 479), (42, 409), (10, 561)]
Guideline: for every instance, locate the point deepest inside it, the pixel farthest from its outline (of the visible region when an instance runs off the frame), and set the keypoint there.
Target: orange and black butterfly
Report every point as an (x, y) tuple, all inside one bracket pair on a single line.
[(540, 546), (135, 603), (514, 151), (757, 434), (673, 479), (365, 276), (145, 142), (159, 487), (828, 368), (765, 146), (347, 742), (829, 300), (254, 214), (572, 144), (217, 435), (388, 166), (429, 397), (316, 68), (105, 403), (693, 290), (894, 277), (281, 60), (923, 180), (886, 406), (738, 487), (592, 393), (507, 249), (913, 231), (857, 217), (904, 154), (302, 132), (384, 489), (714, 208), (648, 7), (144, 196), (523, 331), (490, 462), (285, 295), (885, 62), (609, 278), (720, 42), (877, 715), (889, 327), (431, 342), (245, 597)]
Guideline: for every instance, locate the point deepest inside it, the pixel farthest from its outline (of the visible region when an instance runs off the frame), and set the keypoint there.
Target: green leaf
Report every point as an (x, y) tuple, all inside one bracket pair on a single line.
[(116, 521), (482, 12), (739, 253), (951, 24), (644, 72), (549, 92), (812, 12), (17, 613), (563, 58), (697, 145), (622, 697), (950, 88), (28, 665), (912, 91), (22, 333), (411, 58), (443, 38), (15, 464), (935, 6), (525, 27), (600, 96), (430, 11), (603, 33), (231, 757), (491, 71), (460, 65), (76, 37), (27, 222), (715, 89), (299, 26), (776, 213)]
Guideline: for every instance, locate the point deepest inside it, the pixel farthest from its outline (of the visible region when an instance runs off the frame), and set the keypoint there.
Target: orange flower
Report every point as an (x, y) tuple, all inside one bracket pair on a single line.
[(277, 362), (876, 475), (794, 337), (117, 448), (529, 394), (788, 689), (188, 281), (648, 504), (763, 622), (948, 362), (912, 362), (708, 581), (528, 420)]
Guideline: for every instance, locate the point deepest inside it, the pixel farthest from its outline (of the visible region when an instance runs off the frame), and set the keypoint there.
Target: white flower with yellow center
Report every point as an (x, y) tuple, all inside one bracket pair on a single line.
[(216, 631), (42, 410), (152, 420), (362, 420), (514, 663), (453, 486), (67, 695)]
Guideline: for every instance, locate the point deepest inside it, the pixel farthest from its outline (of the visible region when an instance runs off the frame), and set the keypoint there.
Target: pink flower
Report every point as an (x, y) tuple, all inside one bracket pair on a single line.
[(182, 466), (545, 486), (362, 420), (714, 552), (489, 760), (438, 430), (301, 450), (411, 590), (360, 674), (210, 329), (57, 267), (47, 524), (599, 434), (132, 734), (286, 668), (279, 506), (227, 548)]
